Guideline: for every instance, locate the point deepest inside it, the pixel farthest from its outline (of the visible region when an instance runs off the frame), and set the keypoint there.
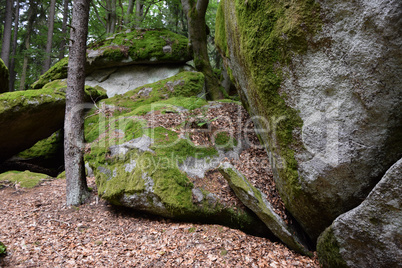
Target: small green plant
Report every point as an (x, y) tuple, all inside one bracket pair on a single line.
[(3, 249), (225, 141), (191, 229)]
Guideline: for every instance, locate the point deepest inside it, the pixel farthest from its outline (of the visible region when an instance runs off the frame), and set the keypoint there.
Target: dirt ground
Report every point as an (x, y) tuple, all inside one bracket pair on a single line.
[(40, 231)]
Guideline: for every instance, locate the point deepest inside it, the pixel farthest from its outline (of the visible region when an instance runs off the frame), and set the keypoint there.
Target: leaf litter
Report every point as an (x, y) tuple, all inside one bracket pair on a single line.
[(40, 231)]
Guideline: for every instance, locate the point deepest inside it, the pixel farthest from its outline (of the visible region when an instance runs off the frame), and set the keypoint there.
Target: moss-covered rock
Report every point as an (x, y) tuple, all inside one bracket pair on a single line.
[(285, 59), (4, 77), (131, 47), (149, 167), (255, 200), (29, 116), (25, 179)]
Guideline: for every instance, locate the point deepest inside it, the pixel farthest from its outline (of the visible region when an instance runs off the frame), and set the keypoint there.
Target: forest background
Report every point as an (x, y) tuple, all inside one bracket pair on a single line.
[(35, 33)]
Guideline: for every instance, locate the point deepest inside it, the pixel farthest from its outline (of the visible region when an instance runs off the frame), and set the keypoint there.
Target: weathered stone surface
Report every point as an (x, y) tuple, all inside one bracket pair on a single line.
[(323, 81), (255, 200), (153, 168), (132, 47), (4, 76), (370, 235), (29, 116), (123, 79)]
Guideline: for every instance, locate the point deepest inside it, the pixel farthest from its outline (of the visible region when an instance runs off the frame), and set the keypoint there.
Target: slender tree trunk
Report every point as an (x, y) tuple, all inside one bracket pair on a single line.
[(5, 47), (77, 189), (130, 10), (139, 12), (14, 46), (64, 30), (197, 31), (113, 17), (48, 52), (31, 18)]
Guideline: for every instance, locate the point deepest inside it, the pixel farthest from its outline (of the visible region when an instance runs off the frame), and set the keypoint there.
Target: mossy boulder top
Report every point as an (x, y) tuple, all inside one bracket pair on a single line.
[(29, 116), (132, 47), (4, 76)]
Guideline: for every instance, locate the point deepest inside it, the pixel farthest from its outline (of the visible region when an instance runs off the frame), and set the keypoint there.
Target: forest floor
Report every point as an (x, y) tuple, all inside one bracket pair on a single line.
[(40, 231)]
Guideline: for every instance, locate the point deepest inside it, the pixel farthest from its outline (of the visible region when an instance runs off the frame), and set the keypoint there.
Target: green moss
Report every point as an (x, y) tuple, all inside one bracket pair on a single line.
[(220, 31), (271, 33), (225, 141), (144, 45), (61, 175), (57, 71), (25, 179), (328, 250), (46, 148)]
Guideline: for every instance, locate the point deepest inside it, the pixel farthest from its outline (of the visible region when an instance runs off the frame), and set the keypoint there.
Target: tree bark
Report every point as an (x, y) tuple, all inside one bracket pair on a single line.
[(5, 47), (130, 10), (14, 46), (139, 12), (31, 18), (77, 189), (48, 52), (64, 30), (197, 31)]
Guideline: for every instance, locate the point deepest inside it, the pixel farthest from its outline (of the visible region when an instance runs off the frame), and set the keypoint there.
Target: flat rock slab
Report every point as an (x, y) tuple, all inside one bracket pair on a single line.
[(257, 202)]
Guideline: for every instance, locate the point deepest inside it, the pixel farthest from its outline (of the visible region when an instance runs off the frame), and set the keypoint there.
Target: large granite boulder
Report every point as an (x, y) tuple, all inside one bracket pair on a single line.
[(322, 80), (165, 51), (4, 76), (370, 235), (29, 116)]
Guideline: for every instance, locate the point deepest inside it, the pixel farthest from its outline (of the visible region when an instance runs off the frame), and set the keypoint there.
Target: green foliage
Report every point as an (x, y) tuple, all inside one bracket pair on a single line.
[(3, 249)]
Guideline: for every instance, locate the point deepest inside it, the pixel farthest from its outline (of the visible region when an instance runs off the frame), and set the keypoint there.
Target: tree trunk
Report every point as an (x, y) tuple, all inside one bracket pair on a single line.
[(5, 47), (197, 31), (129, 11), (64, 30), (48, 52), (139, 12), (113, 18), (14, 46), (77, 189), (31, 18)]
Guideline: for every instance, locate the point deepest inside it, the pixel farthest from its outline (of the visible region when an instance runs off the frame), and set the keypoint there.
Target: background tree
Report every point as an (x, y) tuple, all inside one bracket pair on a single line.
[(64, 30), (48, 52), (14, 46), (5, 47), (77, 189), (197, 33)]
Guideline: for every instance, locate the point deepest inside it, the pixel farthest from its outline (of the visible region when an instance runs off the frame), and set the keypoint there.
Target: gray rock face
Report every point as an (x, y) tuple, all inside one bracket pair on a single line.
[(370, 235), (346, 89), (119, 80)]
